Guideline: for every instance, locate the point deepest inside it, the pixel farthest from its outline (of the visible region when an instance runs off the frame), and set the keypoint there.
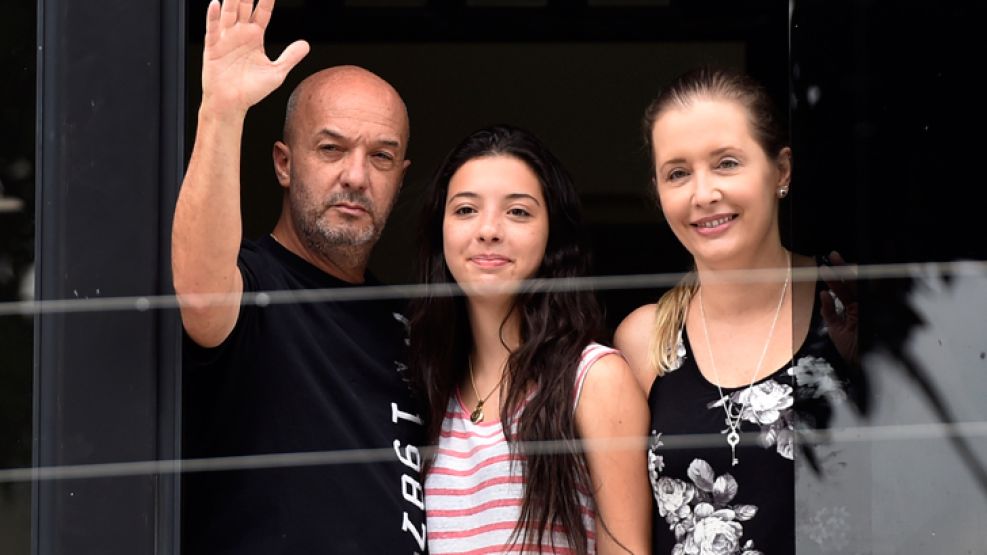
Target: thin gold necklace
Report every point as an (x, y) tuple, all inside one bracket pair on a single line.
[(477, 415), (734, 418)]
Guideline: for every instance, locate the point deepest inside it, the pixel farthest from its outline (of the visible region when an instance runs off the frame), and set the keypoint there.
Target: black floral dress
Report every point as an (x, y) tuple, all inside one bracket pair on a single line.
[(706, 505)]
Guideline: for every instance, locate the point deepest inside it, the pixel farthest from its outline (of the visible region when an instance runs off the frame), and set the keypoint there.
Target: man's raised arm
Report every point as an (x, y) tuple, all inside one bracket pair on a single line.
[(236, 74)]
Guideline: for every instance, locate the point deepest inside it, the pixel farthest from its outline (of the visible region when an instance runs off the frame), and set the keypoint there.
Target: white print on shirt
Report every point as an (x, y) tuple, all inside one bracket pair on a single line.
[(408, 526), (398, 414), (407, 326), (411, 488), (412, 458)]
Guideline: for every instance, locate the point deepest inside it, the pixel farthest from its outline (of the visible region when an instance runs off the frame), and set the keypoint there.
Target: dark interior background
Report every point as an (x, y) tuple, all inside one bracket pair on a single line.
[(17, 125), (578, 74)]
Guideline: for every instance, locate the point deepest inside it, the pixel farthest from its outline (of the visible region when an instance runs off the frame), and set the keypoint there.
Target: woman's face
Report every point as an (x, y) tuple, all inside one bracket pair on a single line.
[(495, 226), (717, 187)]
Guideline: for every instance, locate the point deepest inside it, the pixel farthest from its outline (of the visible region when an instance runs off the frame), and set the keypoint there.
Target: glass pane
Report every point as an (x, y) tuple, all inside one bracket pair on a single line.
[(884, 115), (882, 123)]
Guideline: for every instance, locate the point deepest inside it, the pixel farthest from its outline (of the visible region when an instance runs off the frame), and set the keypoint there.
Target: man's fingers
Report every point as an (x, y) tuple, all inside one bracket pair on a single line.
[(212, 23), (835, 283), (292, 55), (852, 316), (244, 10), (827, 307), (842, 280), (845, 271), (262, 13), (828, 275), (228, 15)]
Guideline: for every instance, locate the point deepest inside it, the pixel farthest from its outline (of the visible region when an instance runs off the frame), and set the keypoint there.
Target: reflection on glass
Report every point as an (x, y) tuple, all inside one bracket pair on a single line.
[(892, 454)]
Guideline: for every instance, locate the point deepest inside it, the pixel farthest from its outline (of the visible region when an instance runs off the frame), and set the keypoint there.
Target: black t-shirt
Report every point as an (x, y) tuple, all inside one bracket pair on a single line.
[(704, 503), (297, 378)]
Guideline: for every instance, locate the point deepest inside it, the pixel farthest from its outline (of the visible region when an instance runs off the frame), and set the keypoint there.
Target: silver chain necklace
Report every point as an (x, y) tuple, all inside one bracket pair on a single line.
[(733, 417)]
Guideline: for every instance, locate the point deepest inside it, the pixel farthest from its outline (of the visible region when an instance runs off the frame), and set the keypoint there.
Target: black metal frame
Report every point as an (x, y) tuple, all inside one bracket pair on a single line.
[(110, 158)]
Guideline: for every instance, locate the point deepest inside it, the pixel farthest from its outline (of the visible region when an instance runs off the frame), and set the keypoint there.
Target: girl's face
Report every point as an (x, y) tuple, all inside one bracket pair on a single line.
[(495, 226), (717, 187)]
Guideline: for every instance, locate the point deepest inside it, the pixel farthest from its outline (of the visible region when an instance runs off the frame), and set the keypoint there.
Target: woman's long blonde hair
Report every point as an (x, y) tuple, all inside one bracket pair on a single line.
[(767, 130), (670, 313)]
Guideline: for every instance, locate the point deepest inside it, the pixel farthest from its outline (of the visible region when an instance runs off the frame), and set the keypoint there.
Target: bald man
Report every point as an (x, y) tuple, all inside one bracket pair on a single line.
[(293, 377)]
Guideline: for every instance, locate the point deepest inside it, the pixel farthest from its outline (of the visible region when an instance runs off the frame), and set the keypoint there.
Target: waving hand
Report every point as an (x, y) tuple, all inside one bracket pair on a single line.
[(206, 233), (236, 72)]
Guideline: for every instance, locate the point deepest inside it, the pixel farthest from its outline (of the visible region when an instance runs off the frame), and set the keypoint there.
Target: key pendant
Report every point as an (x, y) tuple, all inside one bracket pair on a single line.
[(733, 438)]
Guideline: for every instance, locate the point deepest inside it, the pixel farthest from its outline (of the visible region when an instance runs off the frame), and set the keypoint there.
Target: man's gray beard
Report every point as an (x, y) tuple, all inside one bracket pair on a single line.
[(319, 236)]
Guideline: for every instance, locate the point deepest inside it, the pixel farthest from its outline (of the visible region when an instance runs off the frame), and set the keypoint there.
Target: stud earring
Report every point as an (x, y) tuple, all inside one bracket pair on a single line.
[(782, 192)]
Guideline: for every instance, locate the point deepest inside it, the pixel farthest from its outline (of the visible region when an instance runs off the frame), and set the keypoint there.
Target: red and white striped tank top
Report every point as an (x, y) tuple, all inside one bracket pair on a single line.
[(474, 489)]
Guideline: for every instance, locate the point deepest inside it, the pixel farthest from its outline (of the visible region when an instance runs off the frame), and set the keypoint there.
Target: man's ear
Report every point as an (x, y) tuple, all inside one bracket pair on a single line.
[(404, 171), (282, 163)]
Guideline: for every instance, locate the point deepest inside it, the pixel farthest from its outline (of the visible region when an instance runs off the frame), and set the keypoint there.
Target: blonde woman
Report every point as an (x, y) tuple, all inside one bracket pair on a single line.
[(725, 357)]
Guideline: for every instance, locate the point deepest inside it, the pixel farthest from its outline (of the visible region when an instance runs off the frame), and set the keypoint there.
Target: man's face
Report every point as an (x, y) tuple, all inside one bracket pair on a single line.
[(344, 163)]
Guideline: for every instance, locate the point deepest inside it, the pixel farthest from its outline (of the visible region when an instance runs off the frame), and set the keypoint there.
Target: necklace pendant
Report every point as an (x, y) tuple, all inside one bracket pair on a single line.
[(733, 420), (733, 438), (477, 415)]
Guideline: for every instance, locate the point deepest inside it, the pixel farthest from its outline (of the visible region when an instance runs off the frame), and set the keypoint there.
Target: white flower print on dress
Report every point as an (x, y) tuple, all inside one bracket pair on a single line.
[(713, 535), (656, 462), (680, 353), (817, 378), (784, 441), (764, 402), (769, 405), (672, 495), (700, 514)]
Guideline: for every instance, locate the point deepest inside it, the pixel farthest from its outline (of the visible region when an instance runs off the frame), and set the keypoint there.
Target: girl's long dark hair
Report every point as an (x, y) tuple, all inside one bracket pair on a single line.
[(555, 326)]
